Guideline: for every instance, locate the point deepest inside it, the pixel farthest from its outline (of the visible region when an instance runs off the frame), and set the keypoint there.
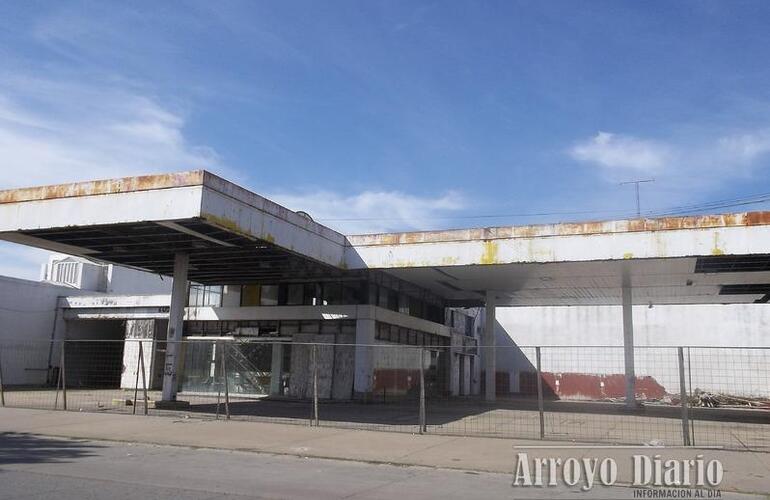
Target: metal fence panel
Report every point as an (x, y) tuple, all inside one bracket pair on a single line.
[(684, 395)]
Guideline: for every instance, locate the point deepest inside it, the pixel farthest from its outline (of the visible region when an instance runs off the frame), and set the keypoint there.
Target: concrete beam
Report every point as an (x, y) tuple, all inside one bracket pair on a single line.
[(166, 200), (253, 216), (732, 234), (113, 301), (345, 312), (116, 208)]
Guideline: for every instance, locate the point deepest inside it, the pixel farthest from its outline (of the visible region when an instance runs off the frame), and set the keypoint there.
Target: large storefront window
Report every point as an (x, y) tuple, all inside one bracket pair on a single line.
[(332, 293), (383, 291), (327, 293), (205, 295), (269, 295), (400, 335), (250, 295), (295, 294)]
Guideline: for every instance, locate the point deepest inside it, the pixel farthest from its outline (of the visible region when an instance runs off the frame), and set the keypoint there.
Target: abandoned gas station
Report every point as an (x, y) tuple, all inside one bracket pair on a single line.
[(245, 267)]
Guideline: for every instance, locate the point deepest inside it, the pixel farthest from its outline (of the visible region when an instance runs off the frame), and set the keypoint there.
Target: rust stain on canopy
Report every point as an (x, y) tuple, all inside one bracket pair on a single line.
[(106, 186), (565, 229)]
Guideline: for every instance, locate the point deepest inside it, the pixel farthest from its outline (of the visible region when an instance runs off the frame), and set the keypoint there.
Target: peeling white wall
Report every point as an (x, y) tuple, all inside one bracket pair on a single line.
[(27, 315), (664, 325), (657, 332)]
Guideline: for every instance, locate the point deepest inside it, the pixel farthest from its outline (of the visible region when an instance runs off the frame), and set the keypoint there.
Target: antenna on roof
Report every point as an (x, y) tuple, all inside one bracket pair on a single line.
[(636, 183)]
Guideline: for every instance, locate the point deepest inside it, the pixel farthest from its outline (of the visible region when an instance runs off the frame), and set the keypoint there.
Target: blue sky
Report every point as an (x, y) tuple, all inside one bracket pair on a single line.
[(406, 115)]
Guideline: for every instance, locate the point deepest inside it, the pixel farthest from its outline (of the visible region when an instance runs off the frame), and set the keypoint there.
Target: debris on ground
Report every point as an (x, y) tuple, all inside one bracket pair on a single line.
[(717, 400), (704, 399)]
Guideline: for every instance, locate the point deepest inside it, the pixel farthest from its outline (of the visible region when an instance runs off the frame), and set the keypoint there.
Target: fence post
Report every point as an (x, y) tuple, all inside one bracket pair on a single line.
[(58, 383), (422, 422), (136, 379), (2, 389), (63, 375), (217, 350), (689, 393), (144, 376), (540, 393), (683, 398), (227, 384), (315, 385)]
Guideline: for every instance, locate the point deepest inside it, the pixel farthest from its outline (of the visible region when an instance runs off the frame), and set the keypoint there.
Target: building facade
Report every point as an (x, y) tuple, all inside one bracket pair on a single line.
[(375, 326)]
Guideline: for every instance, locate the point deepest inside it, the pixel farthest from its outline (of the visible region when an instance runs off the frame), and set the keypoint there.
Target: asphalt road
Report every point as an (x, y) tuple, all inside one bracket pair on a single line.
[(34, 467)]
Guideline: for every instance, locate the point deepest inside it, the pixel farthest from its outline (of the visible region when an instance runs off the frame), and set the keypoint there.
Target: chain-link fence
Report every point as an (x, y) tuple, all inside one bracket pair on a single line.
[(683, 396)]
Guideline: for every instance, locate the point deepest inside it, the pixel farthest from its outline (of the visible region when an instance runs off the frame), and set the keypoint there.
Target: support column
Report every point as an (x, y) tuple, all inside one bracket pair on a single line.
[(467, 377), (276, 369), (488, 348), (175, 325), (455, 370), (455, 350), (364, 360), (628, 345)]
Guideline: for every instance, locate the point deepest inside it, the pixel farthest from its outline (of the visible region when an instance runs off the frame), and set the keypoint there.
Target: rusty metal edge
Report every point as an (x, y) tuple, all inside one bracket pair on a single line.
[(103, 186), (202, 177), (564, 229), (165, 181)]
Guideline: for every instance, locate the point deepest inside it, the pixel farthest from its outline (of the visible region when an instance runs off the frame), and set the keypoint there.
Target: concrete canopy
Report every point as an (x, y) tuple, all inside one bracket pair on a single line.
[(231, 234), (235, 236), (674, 260)]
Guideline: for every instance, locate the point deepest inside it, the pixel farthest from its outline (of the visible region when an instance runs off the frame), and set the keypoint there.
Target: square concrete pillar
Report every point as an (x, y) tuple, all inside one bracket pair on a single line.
[(276, 370), (488, 349), (454, 373), (175, 326), (466, 374), (455, 368), (628, 346), (363, 383)]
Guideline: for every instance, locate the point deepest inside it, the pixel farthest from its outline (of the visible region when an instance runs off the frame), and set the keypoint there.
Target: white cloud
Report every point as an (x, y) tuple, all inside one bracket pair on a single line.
[(707, 157), (623, 153), (744, 148), (372, 211), (53, 131), (57, 132)]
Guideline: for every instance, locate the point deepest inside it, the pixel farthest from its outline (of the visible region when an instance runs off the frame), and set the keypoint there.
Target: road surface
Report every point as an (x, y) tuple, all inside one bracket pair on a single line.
[(33, 467)]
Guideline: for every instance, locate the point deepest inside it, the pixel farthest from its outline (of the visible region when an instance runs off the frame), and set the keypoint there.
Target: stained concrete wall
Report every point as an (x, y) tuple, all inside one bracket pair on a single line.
[(695, 325), (28, 308), (344, 367), (122, 280), (140, 332), (335, 366), (657, 333), (28, 318), (396, 370)]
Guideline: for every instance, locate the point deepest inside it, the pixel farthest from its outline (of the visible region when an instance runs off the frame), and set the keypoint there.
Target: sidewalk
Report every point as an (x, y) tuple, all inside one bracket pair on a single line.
[(746, 472)]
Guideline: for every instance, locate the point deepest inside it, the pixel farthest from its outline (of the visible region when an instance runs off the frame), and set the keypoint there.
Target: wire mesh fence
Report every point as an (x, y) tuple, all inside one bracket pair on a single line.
[(682, 396)]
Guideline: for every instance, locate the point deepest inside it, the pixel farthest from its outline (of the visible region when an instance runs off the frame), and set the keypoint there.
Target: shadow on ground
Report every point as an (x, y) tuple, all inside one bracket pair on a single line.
[(30, 449), (399, 413)]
